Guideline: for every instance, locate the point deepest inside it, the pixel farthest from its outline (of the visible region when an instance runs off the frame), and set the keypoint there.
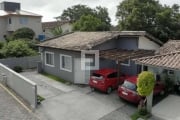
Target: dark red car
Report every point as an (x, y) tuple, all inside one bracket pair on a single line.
[(105, 80), (128, 89)]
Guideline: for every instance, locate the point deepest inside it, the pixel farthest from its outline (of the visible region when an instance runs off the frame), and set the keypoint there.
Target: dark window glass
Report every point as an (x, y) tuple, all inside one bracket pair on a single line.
[(112, 75), (129, 85)]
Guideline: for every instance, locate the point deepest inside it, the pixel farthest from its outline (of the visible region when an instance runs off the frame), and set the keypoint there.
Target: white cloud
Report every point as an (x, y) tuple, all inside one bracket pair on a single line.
[(50, 9)]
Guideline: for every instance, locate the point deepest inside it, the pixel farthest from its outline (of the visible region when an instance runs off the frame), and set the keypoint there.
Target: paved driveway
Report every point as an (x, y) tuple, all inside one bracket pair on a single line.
[(70, 102), (168, 109)]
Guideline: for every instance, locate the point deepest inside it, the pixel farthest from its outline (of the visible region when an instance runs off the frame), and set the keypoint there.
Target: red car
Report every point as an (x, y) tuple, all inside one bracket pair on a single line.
[(105, 80), (128, 91)]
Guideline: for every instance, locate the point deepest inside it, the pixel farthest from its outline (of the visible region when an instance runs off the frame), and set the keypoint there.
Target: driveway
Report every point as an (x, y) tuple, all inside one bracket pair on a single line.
[(168, 109), (72, 102)]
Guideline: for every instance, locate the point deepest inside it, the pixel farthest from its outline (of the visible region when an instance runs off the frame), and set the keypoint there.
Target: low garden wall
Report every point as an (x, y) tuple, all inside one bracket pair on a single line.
[(24, 62), (24, 87)]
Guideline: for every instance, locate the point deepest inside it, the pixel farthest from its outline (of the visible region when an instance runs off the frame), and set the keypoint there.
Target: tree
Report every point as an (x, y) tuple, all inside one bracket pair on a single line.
[(75, 12), (145, 86), (23, 33), (149, 15), (56, 31), (17, 48), (102, 14), (88, 23)]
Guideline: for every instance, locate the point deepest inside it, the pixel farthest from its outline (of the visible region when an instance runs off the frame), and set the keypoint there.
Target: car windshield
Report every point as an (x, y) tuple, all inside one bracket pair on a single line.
[(97, 76), (129, 85)]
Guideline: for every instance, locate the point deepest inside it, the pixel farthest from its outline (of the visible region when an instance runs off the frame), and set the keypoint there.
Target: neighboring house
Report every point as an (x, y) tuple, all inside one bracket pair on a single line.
[(13, 18), (62, 56), (166, 63), (65, 26)]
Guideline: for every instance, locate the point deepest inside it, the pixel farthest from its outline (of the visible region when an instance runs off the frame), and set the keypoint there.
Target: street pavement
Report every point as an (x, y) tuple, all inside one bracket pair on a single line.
[(10, 109)]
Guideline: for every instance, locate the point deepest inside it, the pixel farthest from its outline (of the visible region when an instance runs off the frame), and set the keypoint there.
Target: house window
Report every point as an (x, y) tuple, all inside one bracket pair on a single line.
[(9, 21), (170, 72), (90, 60), (49, 59), (66, 62), (126, 63), (23, 20)]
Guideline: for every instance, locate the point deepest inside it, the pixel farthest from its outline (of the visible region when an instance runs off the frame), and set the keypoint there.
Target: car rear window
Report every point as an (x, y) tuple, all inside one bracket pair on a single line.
[(97, 76), (129, 85)]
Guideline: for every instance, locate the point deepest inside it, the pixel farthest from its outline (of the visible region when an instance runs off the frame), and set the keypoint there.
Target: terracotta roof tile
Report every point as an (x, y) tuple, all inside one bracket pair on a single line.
[(170, 60), (169, 47)]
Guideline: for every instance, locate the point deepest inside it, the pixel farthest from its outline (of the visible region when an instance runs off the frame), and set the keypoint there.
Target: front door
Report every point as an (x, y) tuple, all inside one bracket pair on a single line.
[(81, 76)]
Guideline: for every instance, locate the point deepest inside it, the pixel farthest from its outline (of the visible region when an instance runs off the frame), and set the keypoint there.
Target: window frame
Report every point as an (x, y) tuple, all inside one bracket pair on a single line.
[(9, 20), (46, 52), (124, 64), (61, 68)]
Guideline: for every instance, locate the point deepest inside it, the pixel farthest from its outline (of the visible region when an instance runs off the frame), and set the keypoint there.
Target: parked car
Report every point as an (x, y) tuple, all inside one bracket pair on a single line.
[(128, 90), (105, 80)]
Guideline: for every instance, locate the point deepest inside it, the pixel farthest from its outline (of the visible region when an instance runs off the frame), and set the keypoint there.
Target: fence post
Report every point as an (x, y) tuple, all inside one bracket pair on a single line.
[(39, 67)]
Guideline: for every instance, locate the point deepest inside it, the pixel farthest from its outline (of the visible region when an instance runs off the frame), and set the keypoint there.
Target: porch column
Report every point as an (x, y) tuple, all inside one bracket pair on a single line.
[(118, 68), (149, 102), (142, 67)]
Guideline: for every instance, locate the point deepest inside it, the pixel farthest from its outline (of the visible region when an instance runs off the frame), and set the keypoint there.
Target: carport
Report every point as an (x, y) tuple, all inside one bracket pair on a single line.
[(122, 55), (164, 65)]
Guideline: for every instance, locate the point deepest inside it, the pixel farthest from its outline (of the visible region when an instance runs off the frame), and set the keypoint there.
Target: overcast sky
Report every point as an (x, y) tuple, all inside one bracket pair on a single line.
[(53, 8)]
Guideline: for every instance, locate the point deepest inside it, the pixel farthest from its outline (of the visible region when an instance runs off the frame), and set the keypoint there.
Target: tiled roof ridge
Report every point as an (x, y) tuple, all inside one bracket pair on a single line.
[(155, 56)]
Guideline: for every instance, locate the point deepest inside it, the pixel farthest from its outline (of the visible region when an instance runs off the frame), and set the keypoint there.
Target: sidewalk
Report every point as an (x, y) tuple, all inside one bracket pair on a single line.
[(10, 109)]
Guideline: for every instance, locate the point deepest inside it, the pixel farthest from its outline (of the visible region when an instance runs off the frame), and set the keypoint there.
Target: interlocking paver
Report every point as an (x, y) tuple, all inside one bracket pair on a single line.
[(10, 109)]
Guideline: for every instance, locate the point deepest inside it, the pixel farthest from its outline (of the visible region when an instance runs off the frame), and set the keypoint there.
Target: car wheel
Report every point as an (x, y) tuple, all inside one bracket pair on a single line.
[(162, 92), (109, 90), (92, 89)]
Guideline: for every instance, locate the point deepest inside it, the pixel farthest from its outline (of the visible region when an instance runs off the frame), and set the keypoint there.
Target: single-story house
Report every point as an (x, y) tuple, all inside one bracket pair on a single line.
[(62, 56)]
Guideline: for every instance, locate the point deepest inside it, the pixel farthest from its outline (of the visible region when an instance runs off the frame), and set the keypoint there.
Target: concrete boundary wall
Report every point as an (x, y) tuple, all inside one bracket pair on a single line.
[(25, 62), (24, 87)]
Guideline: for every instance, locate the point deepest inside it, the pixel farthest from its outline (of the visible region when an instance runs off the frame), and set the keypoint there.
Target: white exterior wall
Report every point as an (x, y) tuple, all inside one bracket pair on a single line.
[(145, 43), (2, 28), (67, 27), (32, 22)]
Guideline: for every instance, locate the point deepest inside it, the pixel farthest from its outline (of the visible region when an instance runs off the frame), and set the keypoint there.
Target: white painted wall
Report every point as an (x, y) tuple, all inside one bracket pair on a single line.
[(32, 22), (67, 27), (145, 43), (2, 28)]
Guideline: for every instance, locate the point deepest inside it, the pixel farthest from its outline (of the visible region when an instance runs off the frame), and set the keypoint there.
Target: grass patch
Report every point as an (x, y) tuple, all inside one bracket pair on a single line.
[(55, 78), (136, 115), (40, 99)]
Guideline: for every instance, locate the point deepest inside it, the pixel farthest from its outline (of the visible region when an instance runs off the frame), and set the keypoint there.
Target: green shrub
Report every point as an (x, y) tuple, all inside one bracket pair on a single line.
[(145, 83), (1, 45), (17, 69), (23, 33), (40, 99), (18, 48)]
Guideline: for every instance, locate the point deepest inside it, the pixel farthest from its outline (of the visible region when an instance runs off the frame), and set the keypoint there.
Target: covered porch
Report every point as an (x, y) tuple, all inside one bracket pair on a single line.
[(165, 67), (122, 59)]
